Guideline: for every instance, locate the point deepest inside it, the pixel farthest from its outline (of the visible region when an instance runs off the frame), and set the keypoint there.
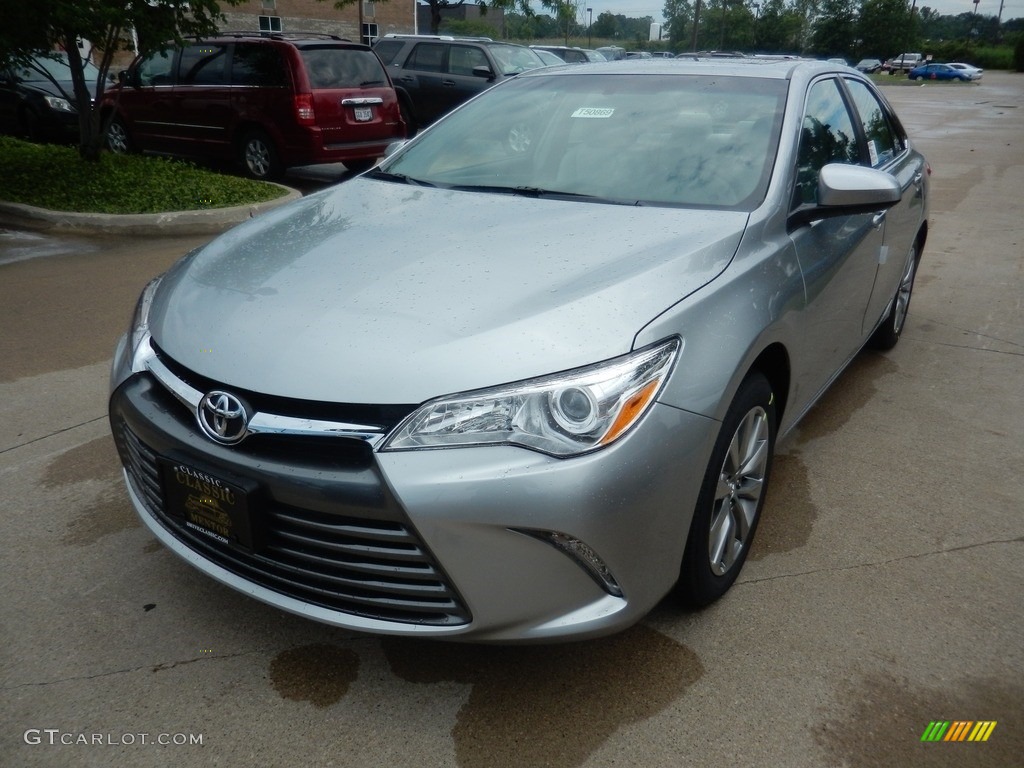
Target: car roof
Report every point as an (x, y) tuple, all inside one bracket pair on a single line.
[(776, 69)]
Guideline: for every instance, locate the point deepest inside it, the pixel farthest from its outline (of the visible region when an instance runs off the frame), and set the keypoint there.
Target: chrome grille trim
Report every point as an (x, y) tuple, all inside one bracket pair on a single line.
[(377, 569), (259, 423)]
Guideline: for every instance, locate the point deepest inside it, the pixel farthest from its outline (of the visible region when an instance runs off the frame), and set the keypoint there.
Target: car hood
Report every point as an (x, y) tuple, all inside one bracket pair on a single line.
[(377, 292), (62, 88)]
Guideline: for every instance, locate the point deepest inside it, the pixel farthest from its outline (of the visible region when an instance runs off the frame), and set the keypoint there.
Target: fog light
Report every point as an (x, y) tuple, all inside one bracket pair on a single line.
[(585, 557)]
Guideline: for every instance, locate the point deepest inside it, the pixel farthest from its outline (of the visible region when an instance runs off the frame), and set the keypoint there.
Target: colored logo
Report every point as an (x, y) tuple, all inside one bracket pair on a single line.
[(958, 730)]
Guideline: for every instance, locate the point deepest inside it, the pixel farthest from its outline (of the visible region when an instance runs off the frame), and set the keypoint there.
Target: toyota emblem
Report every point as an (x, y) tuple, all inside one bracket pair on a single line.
[(223, 417)]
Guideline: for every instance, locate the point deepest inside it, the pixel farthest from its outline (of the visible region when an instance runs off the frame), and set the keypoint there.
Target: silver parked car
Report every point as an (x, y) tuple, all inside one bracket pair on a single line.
[(525, 378)]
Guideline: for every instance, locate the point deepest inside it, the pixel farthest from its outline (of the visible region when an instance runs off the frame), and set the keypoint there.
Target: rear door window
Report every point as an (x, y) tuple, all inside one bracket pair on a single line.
[(883, 141), (387, 50), (259, 65), (427, 57), (204, 64)]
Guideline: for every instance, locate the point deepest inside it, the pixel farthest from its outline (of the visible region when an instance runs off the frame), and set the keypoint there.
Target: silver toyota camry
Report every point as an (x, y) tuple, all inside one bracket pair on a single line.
[(524, 379)]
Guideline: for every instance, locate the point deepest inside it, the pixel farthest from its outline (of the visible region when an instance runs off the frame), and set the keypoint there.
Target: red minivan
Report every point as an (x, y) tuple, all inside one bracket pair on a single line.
[(269, 102)]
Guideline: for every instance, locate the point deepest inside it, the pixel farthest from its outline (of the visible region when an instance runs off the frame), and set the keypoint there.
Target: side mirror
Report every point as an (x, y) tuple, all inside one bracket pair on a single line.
[(122, 76), (848, 190), (484, 72)]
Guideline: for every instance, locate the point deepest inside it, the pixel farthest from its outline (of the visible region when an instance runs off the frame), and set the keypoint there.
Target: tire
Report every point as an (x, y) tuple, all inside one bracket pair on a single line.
[(118, 140), (259, 157), (408, 118), (731, 495), (888, 333), (361, 165), (28, 125)]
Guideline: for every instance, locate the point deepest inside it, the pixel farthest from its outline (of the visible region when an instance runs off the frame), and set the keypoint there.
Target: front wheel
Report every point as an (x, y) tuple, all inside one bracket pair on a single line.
[(731, 495), (889, 332), (259, 156)]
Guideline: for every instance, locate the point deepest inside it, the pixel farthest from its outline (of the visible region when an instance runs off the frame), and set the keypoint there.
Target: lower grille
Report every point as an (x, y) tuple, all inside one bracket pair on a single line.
[(376, 569)]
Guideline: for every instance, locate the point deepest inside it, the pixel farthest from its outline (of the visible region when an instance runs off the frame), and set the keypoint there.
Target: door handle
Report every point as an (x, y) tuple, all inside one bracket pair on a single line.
[(448, 83)]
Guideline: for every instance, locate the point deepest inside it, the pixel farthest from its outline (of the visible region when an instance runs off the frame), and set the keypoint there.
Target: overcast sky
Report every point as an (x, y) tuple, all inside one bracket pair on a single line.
[(1012, 9)]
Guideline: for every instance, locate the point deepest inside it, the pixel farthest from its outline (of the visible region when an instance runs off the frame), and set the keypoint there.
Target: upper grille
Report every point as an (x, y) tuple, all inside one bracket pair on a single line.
[(377, 569)]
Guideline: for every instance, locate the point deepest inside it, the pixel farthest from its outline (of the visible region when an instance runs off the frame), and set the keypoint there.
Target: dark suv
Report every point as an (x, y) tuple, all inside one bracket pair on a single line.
[(434, 74), (267, 101)]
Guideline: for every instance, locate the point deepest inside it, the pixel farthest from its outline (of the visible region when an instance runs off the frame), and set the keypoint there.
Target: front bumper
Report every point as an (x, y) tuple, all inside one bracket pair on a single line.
[(440, 543)]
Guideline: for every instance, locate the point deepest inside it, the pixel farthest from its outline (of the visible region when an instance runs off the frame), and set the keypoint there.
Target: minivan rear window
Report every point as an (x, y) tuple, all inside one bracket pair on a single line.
[(258, 65), (331, 67)]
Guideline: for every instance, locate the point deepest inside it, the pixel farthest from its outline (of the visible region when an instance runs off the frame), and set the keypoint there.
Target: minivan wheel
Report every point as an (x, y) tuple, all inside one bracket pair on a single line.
[(731, 496), (117, 137), (259, 156), (358, 166)]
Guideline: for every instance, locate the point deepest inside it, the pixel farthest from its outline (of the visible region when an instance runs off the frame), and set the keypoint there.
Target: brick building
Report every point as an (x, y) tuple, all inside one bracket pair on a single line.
[(290, 16)]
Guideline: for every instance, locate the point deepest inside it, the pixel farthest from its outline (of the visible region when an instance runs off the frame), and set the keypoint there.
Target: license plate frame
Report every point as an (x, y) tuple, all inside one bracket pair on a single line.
[(363, 114), (208, 504)]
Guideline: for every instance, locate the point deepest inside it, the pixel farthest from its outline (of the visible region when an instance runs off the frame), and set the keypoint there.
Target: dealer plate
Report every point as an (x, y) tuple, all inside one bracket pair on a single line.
[(207, 504)]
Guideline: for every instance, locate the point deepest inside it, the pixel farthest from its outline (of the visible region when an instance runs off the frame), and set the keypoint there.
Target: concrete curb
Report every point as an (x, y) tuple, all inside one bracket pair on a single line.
[(209, 221)]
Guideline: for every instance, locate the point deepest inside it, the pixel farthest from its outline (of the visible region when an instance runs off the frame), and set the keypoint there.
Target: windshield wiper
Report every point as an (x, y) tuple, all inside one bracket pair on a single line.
[(399, 177), (526, 191)]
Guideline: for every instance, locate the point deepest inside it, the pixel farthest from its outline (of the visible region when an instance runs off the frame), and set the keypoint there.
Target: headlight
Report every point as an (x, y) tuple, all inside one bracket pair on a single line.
[(59, 105), (565, 414), (140, 319)]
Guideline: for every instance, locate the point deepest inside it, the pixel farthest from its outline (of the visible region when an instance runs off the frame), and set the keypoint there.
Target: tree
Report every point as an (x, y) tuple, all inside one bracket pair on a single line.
[(679, 17), (49, 27), (886, 28), (834, 31)]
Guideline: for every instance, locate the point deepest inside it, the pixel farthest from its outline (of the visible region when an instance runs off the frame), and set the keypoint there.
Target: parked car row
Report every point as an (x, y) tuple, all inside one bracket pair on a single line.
[(938, 71)]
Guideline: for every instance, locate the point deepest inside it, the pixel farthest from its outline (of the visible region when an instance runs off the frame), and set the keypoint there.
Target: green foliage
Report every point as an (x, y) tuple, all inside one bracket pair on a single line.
[(468, 28), (1018, 55), (984, 56), (57, 178)]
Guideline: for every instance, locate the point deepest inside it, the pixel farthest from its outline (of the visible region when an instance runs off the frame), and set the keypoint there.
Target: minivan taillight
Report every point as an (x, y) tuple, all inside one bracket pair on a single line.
[(304, 109)]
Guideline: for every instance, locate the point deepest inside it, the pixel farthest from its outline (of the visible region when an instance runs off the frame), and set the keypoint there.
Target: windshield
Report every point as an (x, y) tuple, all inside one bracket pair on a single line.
[(57, 68), (513, 59), (640, 139)]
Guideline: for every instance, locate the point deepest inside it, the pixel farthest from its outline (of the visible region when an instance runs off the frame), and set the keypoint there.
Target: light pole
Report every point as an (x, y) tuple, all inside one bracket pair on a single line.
[(590, 22)]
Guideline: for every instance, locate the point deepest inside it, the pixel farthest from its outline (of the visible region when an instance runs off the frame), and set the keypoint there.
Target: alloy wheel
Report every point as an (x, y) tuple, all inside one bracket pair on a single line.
[(740, 485)]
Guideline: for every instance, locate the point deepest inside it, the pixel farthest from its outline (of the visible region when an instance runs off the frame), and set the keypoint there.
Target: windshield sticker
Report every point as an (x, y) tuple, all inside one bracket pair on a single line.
[(598, 112)]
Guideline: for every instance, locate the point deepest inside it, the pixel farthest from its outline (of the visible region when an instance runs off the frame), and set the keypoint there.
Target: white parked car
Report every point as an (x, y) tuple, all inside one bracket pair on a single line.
[(974, 73)]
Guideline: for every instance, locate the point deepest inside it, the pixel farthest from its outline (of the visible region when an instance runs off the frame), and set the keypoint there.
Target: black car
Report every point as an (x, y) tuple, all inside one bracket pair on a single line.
[(37, 100), (434, 74)]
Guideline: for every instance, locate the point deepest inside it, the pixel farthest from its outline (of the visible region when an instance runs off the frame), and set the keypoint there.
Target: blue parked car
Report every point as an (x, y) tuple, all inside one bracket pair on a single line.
[(938, 72)]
